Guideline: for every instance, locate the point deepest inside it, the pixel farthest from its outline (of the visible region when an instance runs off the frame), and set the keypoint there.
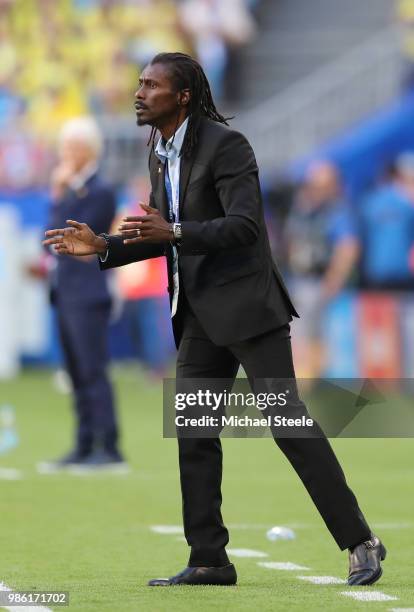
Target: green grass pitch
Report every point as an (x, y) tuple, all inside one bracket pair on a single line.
[(90, 535)]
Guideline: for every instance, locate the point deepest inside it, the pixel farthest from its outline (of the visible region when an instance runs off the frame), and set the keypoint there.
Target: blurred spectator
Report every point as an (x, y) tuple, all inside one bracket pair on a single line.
[(65, 58), (405, 14), (81, 297), (387, 230), (158, 28), (24, 161), (8, 67), (215, 25), (321, 251), (143, 286)]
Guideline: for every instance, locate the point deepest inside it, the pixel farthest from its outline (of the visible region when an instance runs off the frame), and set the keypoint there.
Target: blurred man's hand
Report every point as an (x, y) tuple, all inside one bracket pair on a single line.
[(37, 270), (78, 240), (60, 179)]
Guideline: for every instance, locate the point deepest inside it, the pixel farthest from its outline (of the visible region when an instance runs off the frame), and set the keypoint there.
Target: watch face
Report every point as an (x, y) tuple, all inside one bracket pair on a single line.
[(177, 230)]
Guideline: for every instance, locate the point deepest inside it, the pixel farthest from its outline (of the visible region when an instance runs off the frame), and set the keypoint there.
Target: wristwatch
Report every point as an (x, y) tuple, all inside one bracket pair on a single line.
[(104, 256), (106, 238), (177, 231)]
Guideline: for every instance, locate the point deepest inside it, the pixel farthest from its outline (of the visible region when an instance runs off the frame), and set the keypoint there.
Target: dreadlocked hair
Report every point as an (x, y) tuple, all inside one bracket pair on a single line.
[(186, 73)]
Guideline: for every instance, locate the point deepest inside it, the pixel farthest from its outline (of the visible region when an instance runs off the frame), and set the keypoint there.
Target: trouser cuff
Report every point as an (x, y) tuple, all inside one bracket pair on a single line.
[(208, 558)]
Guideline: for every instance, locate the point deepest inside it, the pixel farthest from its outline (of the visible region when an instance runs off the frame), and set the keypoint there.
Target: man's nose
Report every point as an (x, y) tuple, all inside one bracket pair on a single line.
[(138, 94)]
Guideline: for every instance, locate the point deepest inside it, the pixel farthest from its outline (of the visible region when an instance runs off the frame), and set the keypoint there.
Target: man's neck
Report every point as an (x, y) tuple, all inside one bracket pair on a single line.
[(169, 129)]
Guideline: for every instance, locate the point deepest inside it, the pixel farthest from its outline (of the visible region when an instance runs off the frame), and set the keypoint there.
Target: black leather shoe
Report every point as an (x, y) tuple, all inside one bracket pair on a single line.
[(365, 562), (223, 576)]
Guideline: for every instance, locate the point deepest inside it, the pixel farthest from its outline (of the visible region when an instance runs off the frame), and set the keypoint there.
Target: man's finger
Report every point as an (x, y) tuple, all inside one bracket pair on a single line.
[(135, 220), (148, 209), (54, 232), (143, 237), (130, 226), (50, 241), (75, 224), (127, 233), (132, 240), (131, 219), (61, 249), (60, 232), (137, 224)]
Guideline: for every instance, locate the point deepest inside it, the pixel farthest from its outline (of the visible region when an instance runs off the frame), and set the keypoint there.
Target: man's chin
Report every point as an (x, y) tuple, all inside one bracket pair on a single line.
[(142, 121)]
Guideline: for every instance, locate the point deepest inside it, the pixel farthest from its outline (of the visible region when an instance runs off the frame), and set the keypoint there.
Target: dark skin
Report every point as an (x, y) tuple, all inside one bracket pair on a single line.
[(158, 104)]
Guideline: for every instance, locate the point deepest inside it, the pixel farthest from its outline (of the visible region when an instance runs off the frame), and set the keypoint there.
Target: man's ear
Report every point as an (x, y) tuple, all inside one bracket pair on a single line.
[(184, 97)]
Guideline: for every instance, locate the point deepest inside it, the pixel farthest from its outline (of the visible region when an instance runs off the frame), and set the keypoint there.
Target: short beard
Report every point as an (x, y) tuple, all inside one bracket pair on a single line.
[(141, 122)]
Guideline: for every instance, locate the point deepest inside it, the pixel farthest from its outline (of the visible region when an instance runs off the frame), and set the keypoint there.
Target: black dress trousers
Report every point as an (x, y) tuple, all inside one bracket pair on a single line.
[(269, 357), (83, 332)]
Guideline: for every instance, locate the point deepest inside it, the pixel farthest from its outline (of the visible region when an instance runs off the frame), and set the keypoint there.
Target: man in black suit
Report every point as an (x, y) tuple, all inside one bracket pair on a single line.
[(229, 304)]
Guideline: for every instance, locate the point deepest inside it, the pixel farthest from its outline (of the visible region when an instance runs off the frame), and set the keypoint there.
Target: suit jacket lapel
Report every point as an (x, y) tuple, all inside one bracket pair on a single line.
[(158, 186), (186, 165)]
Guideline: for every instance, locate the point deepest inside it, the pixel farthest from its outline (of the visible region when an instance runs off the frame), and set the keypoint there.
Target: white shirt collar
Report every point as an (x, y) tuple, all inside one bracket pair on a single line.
[(173, 146), (78, 180)]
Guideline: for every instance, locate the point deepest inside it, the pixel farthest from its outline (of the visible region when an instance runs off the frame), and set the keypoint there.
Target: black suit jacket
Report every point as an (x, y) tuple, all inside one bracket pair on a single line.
[(225, 263), (75, 282)]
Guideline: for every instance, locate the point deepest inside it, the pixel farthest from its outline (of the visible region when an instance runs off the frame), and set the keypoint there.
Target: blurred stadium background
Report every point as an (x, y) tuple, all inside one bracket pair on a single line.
[(306, 81), (325, 93)]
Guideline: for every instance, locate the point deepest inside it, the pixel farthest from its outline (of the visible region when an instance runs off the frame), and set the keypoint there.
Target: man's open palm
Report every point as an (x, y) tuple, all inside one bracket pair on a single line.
[(77, 239)]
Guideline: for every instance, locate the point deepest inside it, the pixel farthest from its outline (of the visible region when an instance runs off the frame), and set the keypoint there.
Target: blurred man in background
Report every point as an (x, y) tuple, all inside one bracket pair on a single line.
[(80, 294), (387, 229), (322, 249)]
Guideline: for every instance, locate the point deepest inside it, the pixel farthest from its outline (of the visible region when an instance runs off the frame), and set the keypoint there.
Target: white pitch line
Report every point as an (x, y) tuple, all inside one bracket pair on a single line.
[(265, 526), (4, 587), (259, 526), (167, 529), (49, 469), (284, 566), (401, 525), (248, 526), (98, 471), (322, 579), (10, 474), (401, 609), (368, 596), (233, 526), (246, 552)]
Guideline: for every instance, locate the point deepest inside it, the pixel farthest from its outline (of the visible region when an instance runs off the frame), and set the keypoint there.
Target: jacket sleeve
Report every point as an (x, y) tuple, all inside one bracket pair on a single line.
[(235, 176), (120, 254)]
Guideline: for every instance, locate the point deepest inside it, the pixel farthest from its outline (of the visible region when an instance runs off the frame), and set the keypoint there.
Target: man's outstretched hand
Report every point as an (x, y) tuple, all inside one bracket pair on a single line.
[(77, 239), (151, 227)]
